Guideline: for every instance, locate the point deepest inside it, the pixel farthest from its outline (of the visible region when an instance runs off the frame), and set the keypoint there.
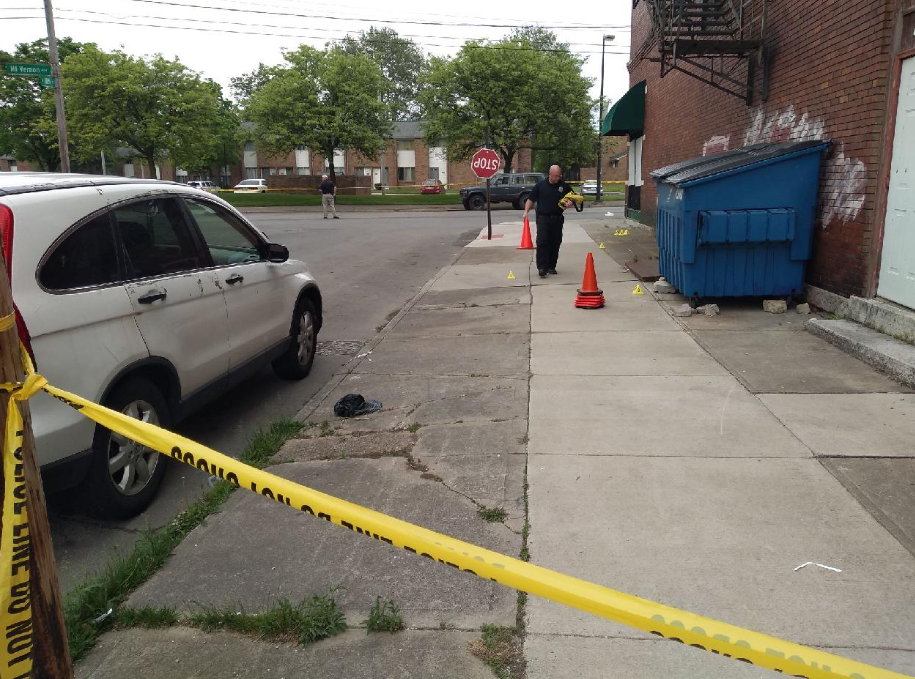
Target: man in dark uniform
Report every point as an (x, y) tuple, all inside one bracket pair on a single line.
[(546, 194)]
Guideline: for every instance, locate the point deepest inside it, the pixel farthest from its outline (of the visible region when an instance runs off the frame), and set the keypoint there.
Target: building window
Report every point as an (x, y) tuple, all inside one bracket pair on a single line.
[(270, 170), (433, 173), (363, 172), (305, 171), (128, 170), (405, 145), (406, 174), (251, 173), (14, 167)]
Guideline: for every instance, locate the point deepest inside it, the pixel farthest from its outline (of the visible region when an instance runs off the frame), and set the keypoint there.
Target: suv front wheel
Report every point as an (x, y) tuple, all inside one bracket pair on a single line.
[(123, 475), (296, 362), (476, 201)]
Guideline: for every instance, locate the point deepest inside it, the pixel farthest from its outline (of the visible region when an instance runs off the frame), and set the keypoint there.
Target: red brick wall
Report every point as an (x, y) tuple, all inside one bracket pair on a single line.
[(612, 146), (828, 79)]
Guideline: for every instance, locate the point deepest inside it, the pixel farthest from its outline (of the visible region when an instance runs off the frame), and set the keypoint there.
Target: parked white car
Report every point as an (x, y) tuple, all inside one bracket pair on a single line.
[(589, 188), (207, 186), (149, 297), (251, 186)]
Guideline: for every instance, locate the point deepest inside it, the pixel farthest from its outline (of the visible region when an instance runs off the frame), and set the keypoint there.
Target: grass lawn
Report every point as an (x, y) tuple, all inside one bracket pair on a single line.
[(295, 199)]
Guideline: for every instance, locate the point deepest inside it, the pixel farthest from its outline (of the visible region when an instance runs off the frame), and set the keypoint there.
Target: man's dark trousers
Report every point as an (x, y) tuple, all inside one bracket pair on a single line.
[(549, 238)]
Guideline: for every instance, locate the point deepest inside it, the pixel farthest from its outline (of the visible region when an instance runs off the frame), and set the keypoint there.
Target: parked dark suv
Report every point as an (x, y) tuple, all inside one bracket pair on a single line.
[(504, 188)]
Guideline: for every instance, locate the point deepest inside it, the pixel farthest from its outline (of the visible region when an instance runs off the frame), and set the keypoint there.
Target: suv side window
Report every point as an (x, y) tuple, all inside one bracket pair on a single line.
[(156, 239), (520, 179), (228, 240), (86, 258)]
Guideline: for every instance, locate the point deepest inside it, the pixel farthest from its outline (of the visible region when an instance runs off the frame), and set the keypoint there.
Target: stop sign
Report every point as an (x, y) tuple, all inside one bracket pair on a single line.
[(485, 163)]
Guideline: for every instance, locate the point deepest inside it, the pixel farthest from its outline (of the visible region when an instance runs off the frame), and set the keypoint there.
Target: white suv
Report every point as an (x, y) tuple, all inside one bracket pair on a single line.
[(150, 297)]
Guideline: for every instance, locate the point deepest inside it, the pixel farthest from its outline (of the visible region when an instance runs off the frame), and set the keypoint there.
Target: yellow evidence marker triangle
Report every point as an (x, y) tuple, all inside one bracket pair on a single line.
[(638, 290), (511, 276), (601, 247)]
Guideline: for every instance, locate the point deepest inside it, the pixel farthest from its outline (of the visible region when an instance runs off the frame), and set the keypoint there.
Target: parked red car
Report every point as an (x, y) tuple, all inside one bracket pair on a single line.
[(432, 186)]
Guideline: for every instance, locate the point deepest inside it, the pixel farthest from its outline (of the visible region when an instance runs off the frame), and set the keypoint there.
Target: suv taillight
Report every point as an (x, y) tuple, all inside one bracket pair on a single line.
[(6, 240)]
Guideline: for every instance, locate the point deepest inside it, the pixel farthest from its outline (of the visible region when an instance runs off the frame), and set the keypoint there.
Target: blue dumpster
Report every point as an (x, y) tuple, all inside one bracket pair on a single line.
[(739, 223)]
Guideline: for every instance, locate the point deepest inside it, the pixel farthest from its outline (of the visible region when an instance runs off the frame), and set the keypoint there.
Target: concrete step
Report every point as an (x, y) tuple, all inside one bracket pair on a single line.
[(894, 357)]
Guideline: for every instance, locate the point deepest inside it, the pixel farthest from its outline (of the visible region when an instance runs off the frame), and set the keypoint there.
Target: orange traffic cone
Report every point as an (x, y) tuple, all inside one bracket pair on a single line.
[(589, 296), (526, 242)]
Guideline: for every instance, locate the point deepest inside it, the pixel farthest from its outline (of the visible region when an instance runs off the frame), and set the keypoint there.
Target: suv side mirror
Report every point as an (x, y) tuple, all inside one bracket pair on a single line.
[(277, 253)]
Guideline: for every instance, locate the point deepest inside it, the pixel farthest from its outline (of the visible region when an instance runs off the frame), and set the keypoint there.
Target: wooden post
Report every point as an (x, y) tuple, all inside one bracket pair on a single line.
[(50, 649)]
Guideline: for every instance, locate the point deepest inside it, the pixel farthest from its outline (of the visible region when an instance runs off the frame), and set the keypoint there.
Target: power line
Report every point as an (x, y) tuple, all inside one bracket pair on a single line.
[(260, 25), (330, 17), (306, 37)]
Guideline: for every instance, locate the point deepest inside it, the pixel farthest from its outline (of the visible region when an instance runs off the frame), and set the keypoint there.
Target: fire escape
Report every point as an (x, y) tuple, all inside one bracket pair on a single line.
[(719, 42)]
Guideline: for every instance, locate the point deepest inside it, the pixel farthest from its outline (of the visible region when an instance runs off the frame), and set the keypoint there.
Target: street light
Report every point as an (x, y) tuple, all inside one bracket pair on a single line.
[(600, 122)]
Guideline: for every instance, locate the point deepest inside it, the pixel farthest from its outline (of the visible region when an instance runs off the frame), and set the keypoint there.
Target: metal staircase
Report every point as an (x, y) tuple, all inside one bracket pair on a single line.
[(719, 42)]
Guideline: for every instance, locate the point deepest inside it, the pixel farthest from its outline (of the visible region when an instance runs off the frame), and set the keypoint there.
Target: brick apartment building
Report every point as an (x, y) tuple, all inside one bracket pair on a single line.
[(407, 159), (817, 69)]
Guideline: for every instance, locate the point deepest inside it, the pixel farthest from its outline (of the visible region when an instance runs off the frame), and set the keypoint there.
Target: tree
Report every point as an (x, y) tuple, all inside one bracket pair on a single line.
[(158, 108), (218, 142), (244, 86), (525, 90), (325, 100), (28, 119), (401, 61)]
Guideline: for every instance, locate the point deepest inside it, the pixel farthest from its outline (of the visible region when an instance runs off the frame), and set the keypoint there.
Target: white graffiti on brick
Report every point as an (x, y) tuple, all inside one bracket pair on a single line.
[(845, 180), (716, 144), (782, 126)]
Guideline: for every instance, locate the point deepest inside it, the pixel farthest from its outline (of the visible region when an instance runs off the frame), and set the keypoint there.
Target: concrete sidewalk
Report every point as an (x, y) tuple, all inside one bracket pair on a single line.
[(693, 463), (679, 462)]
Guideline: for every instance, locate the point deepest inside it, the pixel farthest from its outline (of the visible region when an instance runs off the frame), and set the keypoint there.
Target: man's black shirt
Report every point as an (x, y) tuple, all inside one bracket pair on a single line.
[(327, 187), (547, 196)]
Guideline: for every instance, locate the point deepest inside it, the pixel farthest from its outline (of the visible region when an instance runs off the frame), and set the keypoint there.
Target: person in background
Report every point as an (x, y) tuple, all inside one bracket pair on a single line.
[(547, 193), (328, 195)]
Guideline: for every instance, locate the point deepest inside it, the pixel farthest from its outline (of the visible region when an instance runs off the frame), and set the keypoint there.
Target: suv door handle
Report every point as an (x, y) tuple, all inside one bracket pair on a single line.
[(235, 278), (153, 295)]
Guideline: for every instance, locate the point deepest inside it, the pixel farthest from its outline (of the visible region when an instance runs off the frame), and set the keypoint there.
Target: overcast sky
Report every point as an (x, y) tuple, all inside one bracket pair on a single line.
[(224, 40)]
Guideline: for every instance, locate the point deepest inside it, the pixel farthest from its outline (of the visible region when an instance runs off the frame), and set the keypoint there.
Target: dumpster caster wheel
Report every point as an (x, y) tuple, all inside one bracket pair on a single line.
[(789, 301), (694, 302)]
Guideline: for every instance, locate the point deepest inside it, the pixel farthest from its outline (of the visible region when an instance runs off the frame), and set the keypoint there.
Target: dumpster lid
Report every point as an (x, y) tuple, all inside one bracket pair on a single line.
[(735, 159)]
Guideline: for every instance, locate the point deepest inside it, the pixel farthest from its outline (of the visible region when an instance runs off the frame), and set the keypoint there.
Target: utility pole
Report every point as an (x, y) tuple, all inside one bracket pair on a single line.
[(35, 636), (58, 89), (600, 122)]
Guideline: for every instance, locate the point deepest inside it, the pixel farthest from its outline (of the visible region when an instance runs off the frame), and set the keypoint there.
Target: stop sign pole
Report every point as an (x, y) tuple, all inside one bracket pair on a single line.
[(485, 164)]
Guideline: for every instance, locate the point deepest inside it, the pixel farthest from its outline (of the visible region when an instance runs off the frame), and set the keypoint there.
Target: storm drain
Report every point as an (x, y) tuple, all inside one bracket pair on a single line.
[(338, 348)]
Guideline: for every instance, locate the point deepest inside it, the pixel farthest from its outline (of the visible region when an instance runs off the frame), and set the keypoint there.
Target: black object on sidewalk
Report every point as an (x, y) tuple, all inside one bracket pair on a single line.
[(354, 405)]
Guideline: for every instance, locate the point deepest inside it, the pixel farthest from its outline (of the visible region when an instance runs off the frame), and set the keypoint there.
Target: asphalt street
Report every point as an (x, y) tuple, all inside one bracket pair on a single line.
[(368, 264)]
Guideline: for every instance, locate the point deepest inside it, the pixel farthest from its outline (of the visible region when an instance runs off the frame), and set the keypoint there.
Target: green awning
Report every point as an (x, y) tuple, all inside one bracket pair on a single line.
[(626, 116)]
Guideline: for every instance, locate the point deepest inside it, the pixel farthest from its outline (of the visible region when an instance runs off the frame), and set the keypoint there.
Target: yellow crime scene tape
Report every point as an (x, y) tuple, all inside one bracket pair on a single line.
[(671, 623)]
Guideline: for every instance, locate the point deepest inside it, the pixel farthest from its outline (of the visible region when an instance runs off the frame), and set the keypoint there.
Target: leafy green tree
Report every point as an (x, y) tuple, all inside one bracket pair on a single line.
[(244, 86), (402, 62), (156, 107), (28, 119), (525, 90), (218, 142), (325, 100)]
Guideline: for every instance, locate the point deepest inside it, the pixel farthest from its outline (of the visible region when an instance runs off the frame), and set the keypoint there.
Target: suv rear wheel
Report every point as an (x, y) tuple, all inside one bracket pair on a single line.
[(522, 199), (123, 475)]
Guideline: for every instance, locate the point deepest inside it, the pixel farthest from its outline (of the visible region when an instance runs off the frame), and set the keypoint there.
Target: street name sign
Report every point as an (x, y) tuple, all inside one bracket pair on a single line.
[(28, 69)]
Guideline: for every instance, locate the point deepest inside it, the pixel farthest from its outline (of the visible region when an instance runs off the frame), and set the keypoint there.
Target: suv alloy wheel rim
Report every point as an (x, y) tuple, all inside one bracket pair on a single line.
[(130, 464), (306, 337)]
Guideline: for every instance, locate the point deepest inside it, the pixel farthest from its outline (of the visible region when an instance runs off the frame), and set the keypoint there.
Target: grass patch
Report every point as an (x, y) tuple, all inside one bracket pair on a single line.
[(274, 199), (500, 648), (414, 427), (384, 617), (265, 443), (147, 617), (492, 514), (127, 571), (313, 619)]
